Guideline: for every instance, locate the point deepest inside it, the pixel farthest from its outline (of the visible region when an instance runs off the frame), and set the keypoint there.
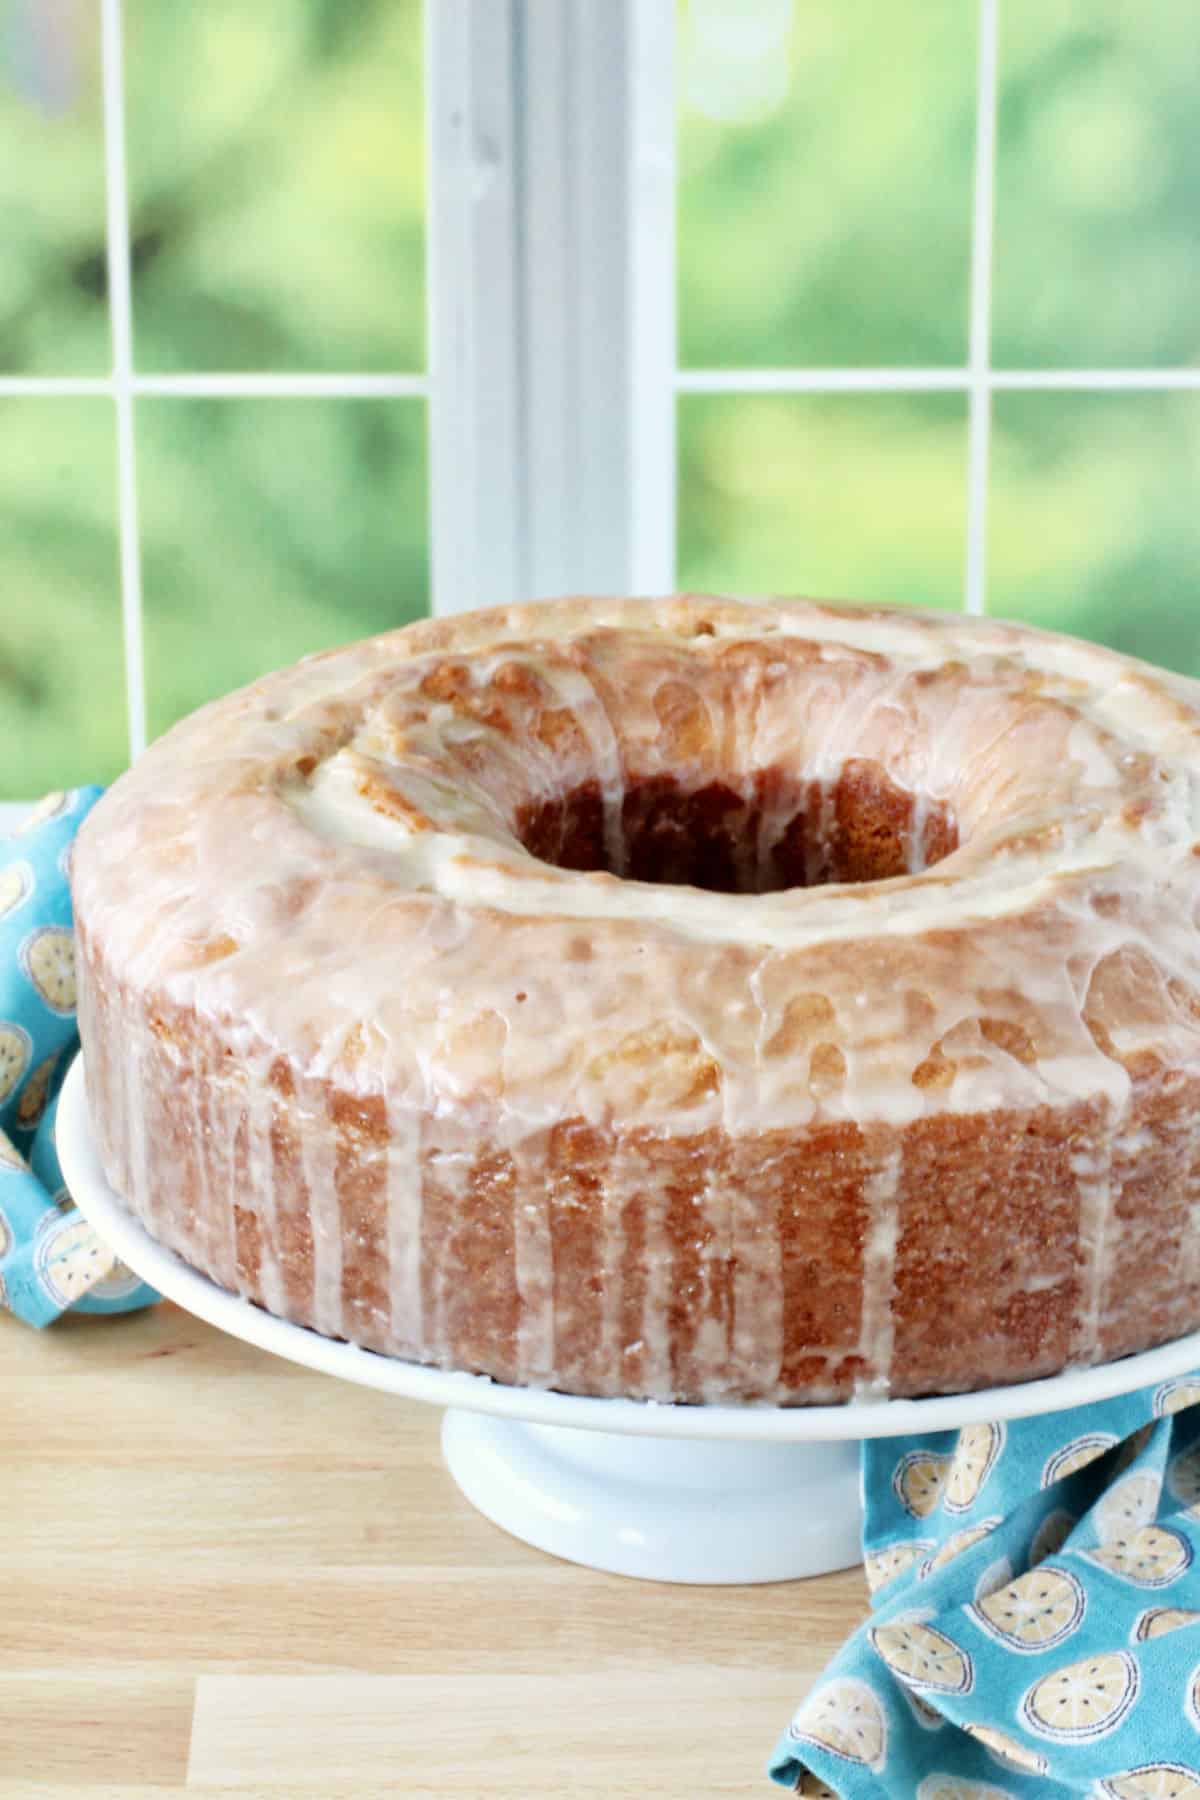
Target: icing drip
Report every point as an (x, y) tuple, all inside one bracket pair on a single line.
[(1094, 1177), (319, 1161), (260, 1176), (533, 1271), (877, 1327), (404, 1224)]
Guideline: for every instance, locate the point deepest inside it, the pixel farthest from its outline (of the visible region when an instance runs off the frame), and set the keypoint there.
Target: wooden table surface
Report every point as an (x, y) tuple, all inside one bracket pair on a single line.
[(222, 1575)]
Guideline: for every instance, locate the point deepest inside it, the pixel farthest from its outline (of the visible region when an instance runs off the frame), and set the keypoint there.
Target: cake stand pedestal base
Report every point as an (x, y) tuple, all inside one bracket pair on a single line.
[(663, 1509)]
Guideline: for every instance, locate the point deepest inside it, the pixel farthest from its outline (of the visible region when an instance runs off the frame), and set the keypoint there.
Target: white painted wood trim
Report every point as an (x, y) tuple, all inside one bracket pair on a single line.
[(551, 297)]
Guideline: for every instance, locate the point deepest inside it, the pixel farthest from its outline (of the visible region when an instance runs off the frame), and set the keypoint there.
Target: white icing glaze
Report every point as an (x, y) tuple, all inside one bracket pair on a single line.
[(333, 850)]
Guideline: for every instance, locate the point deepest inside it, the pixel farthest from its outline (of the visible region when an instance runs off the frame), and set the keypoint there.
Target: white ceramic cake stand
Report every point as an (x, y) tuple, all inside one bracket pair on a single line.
[(669, 1493)]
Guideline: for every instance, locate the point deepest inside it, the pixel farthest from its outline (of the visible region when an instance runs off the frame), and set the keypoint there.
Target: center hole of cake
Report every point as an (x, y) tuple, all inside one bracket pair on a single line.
[(774, 832)]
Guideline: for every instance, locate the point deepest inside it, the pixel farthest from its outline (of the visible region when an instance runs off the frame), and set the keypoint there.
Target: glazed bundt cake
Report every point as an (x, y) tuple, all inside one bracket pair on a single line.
[(688, 999)]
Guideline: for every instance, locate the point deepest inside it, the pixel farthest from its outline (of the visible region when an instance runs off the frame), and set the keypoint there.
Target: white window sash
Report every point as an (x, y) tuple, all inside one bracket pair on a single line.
[(551, 298)]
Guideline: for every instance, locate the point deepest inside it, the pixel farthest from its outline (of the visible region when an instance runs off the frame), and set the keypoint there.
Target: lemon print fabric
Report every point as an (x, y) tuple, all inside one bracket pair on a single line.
[(1157, 1621), (49, 1257), (846, 1718), (1006, 1750), (1127, 1505), (1036, 1612), (48, 958), (16, 1052), (1086, 1699), (1152, 1556), (884, 1565), (957, 1545), (70, 1259), (1076, 1454), (35, 1094), (923, 1658), (1154, 1781), (974, 1459), (919, 1480), (1176, 1396), (16, 887)]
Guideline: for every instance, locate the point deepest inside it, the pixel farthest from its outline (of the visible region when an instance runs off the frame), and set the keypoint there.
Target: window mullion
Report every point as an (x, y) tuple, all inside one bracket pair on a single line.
[(551, 373)]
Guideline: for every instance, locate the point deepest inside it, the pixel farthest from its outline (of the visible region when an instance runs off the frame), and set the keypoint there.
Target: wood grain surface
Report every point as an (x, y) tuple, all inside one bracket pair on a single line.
[(221, 1575)]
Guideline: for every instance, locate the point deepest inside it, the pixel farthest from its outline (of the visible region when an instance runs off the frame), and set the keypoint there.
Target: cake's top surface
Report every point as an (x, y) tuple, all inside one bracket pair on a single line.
[(346, 863)]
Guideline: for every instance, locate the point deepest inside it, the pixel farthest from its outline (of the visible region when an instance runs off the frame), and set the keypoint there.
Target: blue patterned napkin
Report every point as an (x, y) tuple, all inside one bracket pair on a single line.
[(1036, 1615), (50, 1258)]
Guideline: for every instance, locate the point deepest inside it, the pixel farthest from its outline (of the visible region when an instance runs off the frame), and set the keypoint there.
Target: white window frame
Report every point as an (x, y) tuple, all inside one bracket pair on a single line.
[(552, 381), (551, 297)]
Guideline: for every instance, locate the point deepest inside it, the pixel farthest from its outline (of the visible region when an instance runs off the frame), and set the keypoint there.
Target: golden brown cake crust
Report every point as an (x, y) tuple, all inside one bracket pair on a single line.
[(693, 1000)]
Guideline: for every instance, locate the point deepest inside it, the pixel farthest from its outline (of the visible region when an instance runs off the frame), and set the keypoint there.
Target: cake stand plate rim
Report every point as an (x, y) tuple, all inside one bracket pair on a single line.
[(179, 1282)]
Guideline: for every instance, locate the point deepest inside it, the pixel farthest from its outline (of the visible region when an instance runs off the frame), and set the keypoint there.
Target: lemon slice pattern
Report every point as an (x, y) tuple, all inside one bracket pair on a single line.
[(923, 1658), (974, 1459), (919, 1480), (1007, 1750), (1035, 1612), (1193, 1698), (1175, 1396), (16, 885), (48, 958), (882, 1566), (69, 1258), (1153, 1556), (846, 1718), (1128, 1504), (1083, 1700), (35, 1093), (1154, 1781), (10, 1156), (957, 1545), (1157, 1621), (1077, 1455), (16, 1050)]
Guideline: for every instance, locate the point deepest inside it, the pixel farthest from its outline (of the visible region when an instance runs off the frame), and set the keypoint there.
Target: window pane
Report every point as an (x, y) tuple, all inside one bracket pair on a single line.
[(277, 171), (272, 528), (859, 495), (62, 682), (1097, 256), (53, 315), (1094, 527), (826, 156)]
